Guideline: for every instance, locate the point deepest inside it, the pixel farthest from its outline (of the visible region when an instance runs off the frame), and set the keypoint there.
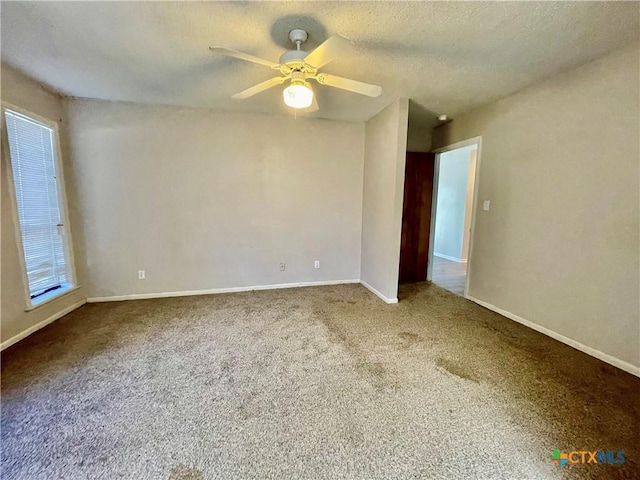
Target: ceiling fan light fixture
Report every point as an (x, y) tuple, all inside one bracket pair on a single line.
[(298, 95), (298, 66)]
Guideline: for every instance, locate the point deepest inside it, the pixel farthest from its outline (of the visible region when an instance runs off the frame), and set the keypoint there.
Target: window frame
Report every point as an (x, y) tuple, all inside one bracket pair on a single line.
[(72, 283)]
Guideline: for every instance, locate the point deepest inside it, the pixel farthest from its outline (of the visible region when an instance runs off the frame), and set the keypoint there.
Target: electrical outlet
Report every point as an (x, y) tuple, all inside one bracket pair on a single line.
[(316, 264), (282, 267), (141, 275), (486, 205)]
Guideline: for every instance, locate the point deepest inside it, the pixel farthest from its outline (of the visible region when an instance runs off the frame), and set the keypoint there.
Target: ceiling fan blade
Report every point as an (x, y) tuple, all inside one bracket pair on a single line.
[(261, 87), (244, 56), (348, 84), (313, 107), (330, 49)]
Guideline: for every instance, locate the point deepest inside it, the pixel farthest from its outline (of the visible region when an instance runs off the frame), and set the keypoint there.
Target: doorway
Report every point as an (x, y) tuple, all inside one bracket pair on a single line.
[(455, 177), (416, 216)]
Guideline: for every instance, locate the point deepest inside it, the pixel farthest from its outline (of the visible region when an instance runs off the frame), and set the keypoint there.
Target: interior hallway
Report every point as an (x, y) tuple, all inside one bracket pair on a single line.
[(449, 274)]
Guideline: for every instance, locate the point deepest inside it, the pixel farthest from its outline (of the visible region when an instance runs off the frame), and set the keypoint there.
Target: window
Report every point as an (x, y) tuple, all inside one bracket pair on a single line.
[(32, 148)]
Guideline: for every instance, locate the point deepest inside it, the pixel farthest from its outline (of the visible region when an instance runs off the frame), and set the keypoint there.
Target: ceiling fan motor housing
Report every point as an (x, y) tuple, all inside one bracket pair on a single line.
[(293, 56)]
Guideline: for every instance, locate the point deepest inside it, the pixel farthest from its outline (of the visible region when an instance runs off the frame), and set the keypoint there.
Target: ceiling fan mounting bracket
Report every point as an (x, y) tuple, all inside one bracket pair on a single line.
[(293, 59), (298, 36)]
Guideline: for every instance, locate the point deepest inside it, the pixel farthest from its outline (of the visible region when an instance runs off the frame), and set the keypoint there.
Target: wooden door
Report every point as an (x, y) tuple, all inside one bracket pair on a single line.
[(416, 216)]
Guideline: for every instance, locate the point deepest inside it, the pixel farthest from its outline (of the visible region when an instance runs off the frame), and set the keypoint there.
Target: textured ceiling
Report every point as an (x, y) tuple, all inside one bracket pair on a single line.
[(447, 57)]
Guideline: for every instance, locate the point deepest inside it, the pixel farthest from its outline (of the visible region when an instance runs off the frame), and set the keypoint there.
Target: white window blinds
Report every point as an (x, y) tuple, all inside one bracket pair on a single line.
[(31, 146)]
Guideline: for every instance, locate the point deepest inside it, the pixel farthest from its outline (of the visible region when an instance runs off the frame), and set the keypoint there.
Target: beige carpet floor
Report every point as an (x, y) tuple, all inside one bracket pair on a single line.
[(323, 382)]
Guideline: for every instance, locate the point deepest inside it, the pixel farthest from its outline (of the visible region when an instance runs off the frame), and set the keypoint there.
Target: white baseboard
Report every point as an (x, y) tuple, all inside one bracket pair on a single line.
[(377, 293), (616, 362), (447, 257), (42, 324), (141, 296)]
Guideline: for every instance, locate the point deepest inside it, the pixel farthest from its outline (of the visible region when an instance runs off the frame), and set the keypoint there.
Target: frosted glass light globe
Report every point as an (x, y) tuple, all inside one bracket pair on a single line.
[(298, 96)]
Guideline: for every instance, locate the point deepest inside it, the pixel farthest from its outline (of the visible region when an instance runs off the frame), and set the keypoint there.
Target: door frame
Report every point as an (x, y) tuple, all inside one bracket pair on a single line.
[(434, 205)]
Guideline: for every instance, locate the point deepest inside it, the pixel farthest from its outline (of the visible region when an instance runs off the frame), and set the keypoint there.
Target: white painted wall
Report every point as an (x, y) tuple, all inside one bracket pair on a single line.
[(453, 193), (560, 245), (23, 92), (384, 162), (205, 200)]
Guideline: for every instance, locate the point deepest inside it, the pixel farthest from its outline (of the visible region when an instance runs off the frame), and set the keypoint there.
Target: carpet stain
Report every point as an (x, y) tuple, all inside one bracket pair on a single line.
[(410, 338), (373, 371), (340, 300), (182, 472), (522, 340), (455, 369), (227, 368), (248, 408)]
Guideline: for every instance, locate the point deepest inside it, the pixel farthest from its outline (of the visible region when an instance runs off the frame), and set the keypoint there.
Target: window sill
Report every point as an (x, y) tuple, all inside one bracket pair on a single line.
[(50, 296)]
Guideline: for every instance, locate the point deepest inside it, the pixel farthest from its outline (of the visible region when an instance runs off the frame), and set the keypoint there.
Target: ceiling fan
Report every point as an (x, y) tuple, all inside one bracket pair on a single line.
[(298, 66)]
